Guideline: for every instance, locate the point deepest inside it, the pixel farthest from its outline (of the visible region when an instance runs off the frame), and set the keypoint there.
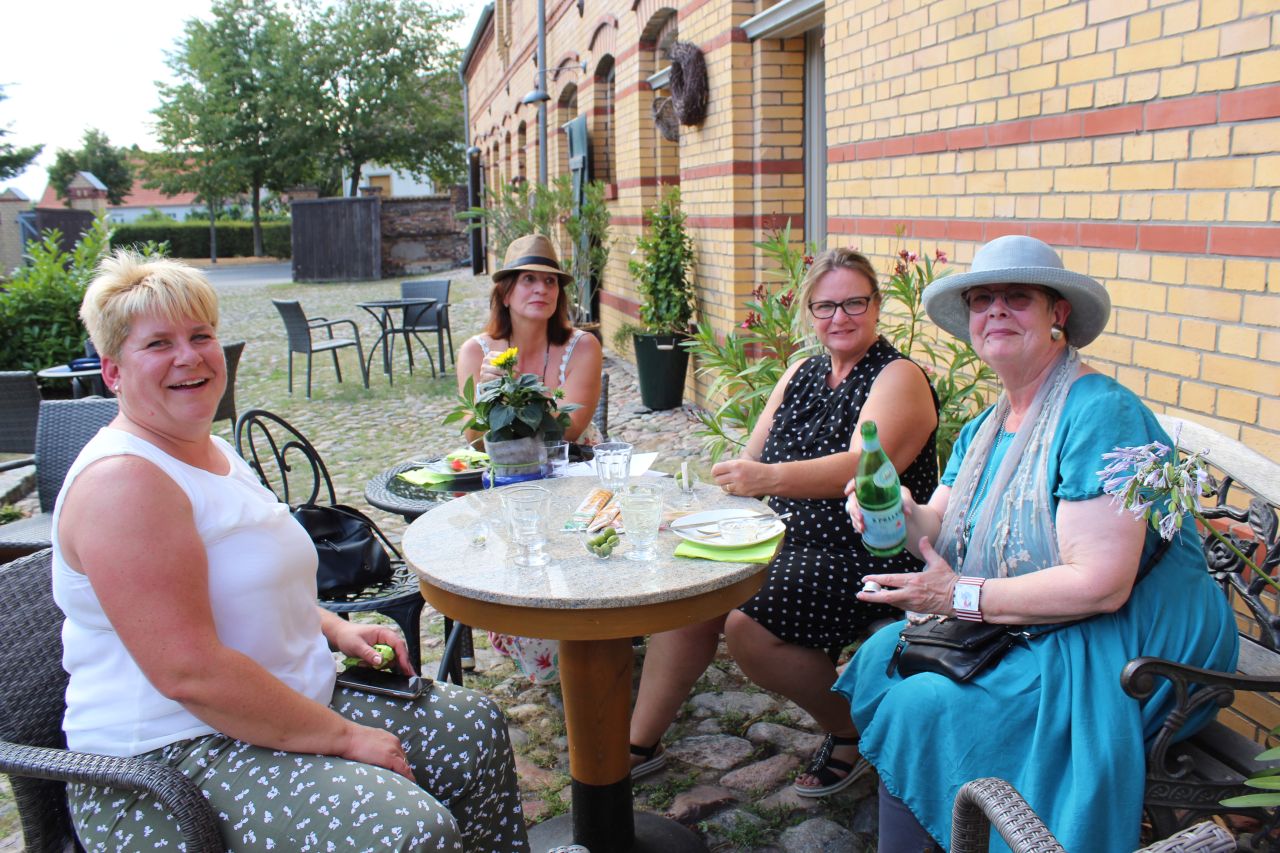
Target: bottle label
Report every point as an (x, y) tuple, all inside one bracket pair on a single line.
[(885, 476), (884, 528)]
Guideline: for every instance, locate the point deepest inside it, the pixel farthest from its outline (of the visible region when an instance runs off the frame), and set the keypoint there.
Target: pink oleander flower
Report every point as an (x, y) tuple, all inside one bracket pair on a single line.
[(787, 298), (753, 320), (940, 256)]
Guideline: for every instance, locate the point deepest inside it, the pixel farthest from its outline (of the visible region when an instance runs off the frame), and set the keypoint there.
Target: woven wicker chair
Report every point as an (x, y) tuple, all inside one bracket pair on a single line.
[(984, 803), (432, 318), (299, 329), (32, 746), (19, 411), (284, 460), (227, 405), (64, 428)]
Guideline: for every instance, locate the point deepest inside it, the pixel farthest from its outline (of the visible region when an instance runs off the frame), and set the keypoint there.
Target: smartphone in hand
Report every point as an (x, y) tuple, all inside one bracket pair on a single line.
[(397, 684)]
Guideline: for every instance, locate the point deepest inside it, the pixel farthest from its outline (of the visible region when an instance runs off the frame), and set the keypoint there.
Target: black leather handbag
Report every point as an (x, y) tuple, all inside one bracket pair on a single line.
[(956, 648), (350, 554)]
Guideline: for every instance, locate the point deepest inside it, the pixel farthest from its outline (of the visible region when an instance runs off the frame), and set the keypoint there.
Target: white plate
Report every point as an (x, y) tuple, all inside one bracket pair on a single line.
[(440, 465), (700, 527)]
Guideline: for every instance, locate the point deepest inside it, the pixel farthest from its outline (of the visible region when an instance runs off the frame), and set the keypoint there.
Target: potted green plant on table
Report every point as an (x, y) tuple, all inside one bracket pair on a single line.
[(666, 289), (514, 414)]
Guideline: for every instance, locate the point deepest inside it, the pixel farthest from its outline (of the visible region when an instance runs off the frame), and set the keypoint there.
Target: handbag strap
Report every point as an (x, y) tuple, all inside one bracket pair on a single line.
[(1143, 570), (356, 515)]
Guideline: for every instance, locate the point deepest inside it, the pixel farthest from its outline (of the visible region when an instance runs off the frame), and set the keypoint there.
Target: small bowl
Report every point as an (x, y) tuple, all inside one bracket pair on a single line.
[(740, 531), (597, 551)]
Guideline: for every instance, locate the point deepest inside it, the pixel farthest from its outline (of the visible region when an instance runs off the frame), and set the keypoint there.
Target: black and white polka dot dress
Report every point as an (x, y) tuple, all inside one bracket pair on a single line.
[(808, 598)]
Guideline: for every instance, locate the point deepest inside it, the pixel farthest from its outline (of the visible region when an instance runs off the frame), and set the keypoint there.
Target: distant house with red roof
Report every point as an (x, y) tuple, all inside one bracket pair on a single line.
[(137, 203)]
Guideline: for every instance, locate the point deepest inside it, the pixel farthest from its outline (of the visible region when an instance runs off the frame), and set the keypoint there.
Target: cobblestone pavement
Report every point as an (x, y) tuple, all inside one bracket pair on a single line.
[(734, 749)]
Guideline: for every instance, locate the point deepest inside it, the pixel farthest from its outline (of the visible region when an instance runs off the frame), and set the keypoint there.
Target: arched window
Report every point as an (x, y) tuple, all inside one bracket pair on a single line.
[(566, 110), (603, 141)]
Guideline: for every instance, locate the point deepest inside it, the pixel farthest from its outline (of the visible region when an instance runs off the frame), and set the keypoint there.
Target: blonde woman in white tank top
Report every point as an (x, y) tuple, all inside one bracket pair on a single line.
[(193, 637)]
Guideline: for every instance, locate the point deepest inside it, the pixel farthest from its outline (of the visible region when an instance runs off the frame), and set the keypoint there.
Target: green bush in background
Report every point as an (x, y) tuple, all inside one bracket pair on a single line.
[(39, 310), (190, 239)]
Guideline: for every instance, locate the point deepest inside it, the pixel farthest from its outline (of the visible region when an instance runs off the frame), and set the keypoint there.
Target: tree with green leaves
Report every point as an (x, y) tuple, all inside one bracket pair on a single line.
[(386, 74), (14, 160), (238, 81), (98, 156), (196, 157)]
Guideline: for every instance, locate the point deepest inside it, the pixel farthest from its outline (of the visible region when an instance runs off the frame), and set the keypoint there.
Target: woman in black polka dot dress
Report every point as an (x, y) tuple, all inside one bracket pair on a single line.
[(802, 453)]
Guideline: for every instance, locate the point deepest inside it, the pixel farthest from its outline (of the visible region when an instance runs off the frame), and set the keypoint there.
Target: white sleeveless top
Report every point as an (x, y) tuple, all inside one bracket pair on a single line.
[(564, 362), (262, 588)]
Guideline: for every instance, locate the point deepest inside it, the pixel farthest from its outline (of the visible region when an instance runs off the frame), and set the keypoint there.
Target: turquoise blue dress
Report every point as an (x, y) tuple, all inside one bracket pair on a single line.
[(1051, 717)]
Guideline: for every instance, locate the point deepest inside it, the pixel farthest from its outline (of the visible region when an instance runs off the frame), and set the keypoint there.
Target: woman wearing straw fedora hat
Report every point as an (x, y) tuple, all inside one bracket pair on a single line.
[(529, 310), (1020, 532)]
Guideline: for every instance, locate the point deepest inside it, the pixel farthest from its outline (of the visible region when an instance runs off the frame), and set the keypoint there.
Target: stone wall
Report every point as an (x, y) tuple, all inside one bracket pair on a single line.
[(423, 234), (1141, 138), (10, 232)]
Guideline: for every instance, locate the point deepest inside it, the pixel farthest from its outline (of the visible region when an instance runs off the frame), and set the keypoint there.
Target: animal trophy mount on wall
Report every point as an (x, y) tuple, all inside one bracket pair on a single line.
[(664, 117), (688, 82)]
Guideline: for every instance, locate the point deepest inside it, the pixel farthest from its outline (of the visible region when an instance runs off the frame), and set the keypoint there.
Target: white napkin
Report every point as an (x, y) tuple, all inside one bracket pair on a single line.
[(640, 464)]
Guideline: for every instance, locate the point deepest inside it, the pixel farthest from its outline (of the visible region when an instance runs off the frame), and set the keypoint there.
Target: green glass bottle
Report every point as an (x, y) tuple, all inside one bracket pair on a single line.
[(879, 495)]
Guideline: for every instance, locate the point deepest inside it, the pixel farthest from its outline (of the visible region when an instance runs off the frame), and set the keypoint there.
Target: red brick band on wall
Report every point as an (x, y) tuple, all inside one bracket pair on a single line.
[(1262, 102), (1261, 241)]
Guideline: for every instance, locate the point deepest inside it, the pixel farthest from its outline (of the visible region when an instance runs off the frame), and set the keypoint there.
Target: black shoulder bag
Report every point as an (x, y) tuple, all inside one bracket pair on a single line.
[(960, 649), (350, 554)]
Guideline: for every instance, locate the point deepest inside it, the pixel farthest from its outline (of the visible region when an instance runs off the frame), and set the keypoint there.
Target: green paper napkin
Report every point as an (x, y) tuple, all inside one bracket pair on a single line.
[(761, 552), (424, 477)]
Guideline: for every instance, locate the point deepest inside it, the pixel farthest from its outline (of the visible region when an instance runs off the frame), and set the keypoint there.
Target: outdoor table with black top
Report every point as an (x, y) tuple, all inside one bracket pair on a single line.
[(381, 311), (84, 383), (594, 607), (389, 493)]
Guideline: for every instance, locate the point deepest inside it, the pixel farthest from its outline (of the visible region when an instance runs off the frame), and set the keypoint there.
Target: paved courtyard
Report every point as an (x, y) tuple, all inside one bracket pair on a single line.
[(734, 749)]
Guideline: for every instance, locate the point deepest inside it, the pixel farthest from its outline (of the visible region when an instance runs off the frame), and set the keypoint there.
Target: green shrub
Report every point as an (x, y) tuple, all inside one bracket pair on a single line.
[(190, 239), (39, 310)]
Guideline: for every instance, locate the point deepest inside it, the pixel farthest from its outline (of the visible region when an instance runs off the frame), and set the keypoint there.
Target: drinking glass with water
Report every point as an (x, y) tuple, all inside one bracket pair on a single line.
[(641, 507), (527, 510), (613, 464)]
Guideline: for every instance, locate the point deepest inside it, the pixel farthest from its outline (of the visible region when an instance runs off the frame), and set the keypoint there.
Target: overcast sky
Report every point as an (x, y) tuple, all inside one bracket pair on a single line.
[(68, 65)]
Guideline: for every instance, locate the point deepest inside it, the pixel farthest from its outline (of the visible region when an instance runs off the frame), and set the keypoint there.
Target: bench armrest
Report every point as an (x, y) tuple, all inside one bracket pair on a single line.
[(178, 793)]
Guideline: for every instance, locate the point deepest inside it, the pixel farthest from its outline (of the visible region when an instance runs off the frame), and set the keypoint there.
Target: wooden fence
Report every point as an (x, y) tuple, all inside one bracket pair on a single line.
[(337, 239)]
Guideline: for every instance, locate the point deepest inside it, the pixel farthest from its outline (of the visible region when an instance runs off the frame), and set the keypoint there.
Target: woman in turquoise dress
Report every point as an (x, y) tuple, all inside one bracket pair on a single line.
[(1020, 532)]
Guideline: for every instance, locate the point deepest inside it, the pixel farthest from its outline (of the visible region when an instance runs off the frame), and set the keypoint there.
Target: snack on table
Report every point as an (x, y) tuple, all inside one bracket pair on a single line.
[(610, 516), (595, 501)]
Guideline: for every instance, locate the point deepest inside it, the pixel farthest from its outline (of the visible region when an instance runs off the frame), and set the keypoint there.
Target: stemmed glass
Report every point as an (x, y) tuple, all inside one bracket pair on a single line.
[(641, 507), (527, 509)]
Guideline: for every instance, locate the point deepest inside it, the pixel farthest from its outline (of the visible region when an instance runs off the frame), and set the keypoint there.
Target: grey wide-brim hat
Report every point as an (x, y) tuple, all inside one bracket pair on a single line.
[(1015, 259)]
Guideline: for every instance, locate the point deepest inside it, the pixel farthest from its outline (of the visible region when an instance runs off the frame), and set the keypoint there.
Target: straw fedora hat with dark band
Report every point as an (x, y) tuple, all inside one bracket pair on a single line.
[(535, 253), (1015, 259)]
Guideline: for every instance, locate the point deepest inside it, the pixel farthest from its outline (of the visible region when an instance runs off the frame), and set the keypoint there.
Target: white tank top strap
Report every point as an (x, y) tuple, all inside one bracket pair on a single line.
[(568, 353), (484, 344)]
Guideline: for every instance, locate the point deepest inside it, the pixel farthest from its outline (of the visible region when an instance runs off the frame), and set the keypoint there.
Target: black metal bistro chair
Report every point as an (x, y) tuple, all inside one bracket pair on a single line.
[(290, 466), (431, 318), (33, 748), (300, 330), (19, 411), (64, 428)]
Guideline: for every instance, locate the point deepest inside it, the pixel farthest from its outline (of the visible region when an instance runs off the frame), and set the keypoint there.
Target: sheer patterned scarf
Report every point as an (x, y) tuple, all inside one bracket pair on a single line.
[(1014, 532)]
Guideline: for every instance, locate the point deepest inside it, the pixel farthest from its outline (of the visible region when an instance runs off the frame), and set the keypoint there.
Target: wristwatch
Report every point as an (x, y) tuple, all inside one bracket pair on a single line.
[(966, 598)]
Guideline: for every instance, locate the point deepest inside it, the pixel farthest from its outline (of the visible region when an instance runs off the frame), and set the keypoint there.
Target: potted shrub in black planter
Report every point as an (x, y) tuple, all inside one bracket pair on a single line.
[(666, 291)]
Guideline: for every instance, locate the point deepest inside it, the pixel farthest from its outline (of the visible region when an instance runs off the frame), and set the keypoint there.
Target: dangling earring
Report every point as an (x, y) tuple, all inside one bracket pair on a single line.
[(1055, 332)]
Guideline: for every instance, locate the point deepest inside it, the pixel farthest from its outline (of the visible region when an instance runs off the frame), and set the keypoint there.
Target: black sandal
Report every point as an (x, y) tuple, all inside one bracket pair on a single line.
[(827, 770), (655, 758)]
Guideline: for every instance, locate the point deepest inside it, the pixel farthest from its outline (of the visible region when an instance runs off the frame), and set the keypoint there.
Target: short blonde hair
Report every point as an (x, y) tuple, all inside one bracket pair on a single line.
[(129, 285), (830, 261)]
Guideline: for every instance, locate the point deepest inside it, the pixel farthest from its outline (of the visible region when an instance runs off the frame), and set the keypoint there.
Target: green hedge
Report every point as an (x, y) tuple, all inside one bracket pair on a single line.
[(191, 239)]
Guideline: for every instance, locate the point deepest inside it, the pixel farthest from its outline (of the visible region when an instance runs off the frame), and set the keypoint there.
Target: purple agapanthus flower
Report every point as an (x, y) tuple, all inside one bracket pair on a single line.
[(1150, 482)]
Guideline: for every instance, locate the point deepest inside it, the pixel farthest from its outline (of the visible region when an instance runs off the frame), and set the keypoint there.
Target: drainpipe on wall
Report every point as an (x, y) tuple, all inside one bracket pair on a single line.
[(542, 87)]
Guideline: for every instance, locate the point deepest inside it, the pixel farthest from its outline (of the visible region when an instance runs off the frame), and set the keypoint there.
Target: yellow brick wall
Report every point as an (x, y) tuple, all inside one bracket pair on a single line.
[(1141, 138)]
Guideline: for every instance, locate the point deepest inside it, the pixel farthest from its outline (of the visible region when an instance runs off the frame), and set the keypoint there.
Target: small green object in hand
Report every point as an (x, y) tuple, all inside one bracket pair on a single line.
[(387, 653)]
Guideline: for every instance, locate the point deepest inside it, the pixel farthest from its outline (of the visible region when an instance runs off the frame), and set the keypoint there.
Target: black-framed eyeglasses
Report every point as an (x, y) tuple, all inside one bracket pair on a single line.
[(852, 307), (1017, 298)]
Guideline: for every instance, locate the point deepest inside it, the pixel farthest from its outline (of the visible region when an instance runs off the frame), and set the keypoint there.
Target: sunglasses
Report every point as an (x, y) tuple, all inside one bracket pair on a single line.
[(1016, 298)]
